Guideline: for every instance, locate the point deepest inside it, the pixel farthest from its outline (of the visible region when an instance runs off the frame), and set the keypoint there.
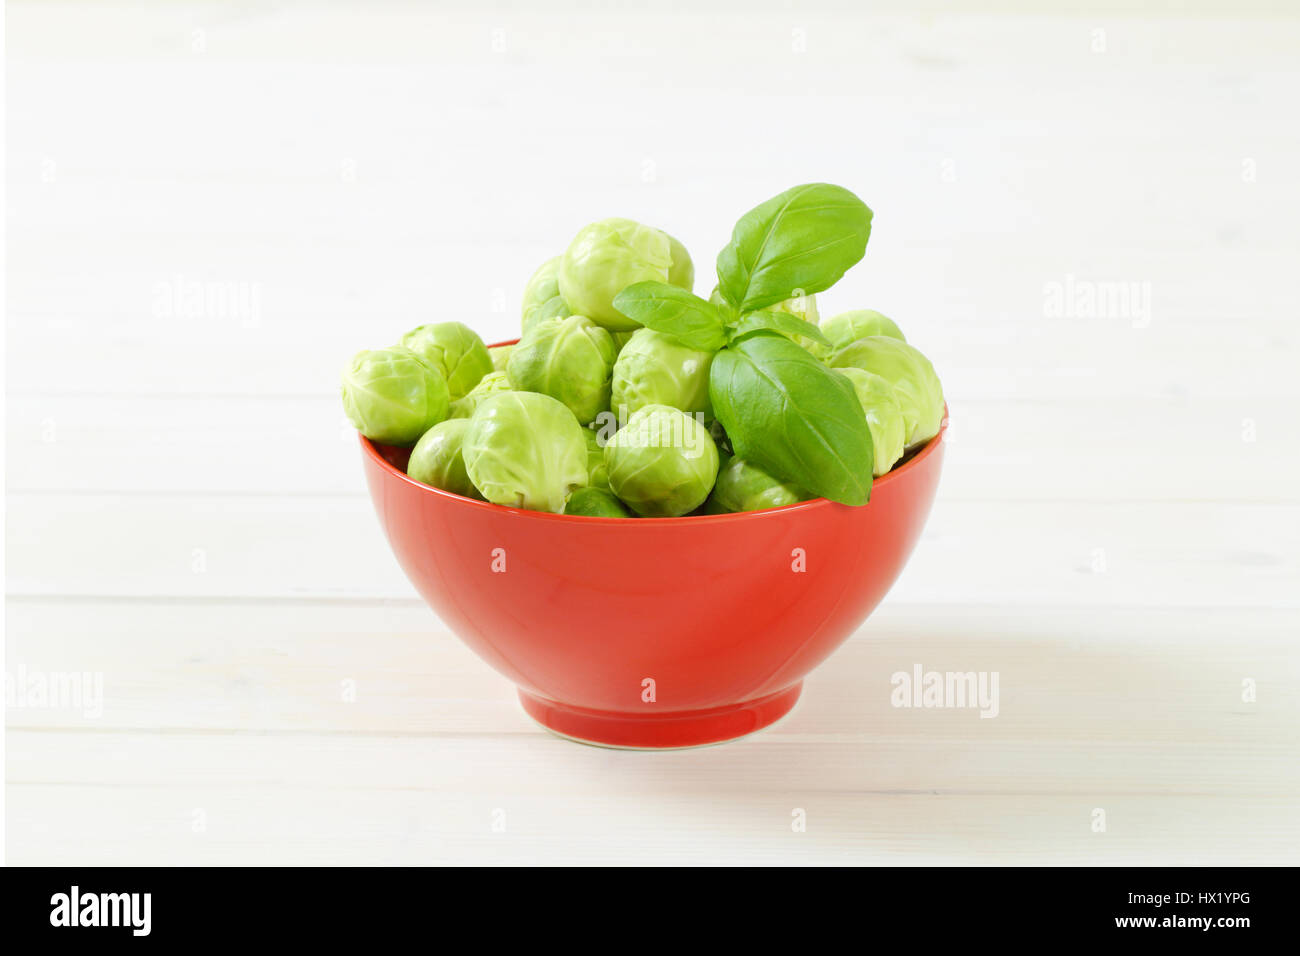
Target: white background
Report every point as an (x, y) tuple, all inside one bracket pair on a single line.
[(1118, 530)]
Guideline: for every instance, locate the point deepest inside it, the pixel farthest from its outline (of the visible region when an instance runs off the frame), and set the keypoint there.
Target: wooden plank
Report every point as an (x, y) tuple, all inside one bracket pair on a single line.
[(1037, 553), (1024, 360), (1070, 675), (1101, 766), (673, 823), (1097, 450)]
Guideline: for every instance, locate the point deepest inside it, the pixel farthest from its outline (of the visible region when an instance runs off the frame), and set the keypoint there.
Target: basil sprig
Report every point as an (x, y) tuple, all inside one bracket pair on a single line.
[(782, 408)]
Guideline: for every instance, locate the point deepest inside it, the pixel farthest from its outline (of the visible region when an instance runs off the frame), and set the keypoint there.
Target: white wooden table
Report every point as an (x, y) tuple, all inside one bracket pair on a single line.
[(211, 207)]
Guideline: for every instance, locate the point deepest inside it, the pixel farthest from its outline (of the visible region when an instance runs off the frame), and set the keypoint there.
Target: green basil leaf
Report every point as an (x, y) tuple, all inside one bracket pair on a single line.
[(805, 238), (725, 308), (675, 312), (783, 322), (793, 417)]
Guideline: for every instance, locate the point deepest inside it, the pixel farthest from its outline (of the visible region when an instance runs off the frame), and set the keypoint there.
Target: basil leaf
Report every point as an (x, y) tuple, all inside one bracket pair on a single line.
[(725, 308), (783, 322), (805, 238), (675, 312), (793, 417)]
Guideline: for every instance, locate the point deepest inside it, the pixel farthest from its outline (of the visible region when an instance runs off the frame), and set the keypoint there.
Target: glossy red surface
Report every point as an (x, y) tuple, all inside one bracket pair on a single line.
[(581, 612)]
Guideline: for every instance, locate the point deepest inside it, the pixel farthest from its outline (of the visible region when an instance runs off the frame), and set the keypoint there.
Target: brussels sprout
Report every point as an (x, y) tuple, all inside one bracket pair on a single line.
[(550, 309), (489, 384), (437, 459), (745, 487), (392, 396), (453, 349), (542, 299), (662, 463), (596, 503), (500, 356), (653, 369), (848, 327), (525, 450), (543, 284), (682, 272), (605, 258), (568, 359), (597, 474), (621, 339), (712, 507), (884, 417), (800, 306), (909, 373)]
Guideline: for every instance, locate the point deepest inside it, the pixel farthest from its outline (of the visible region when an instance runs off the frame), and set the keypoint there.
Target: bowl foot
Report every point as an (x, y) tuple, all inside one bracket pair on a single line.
[(692, 728)]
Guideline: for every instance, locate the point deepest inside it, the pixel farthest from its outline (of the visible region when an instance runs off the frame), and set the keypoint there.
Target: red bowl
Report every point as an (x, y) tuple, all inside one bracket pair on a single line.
[(653, 632)]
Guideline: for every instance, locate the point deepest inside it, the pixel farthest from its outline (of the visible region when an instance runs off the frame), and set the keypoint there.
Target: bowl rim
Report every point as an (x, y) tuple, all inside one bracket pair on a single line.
[(368, 448)]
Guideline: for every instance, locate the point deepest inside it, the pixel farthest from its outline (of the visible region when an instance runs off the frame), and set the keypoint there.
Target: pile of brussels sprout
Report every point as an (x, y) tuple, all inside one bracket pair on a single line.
[(628, 395)]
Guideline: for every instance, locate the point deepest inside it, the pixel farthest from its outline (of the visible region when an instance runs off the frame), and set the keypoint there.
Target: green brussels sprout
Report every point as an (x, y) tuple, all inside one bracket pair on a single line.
[(568, 359), (392, 396), (525, 450), (621, 339), (803, 306), (909, 373), (712, 507), (595, 503), (662, 463), (542, 299), (489, 384), (884, 417), (550, 309), (848, 327), (745, 487), (453, 349), (543, 284), (682, 272), (437, 459), (653, 369), (597, 474), (605, 258), (500, 356)]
